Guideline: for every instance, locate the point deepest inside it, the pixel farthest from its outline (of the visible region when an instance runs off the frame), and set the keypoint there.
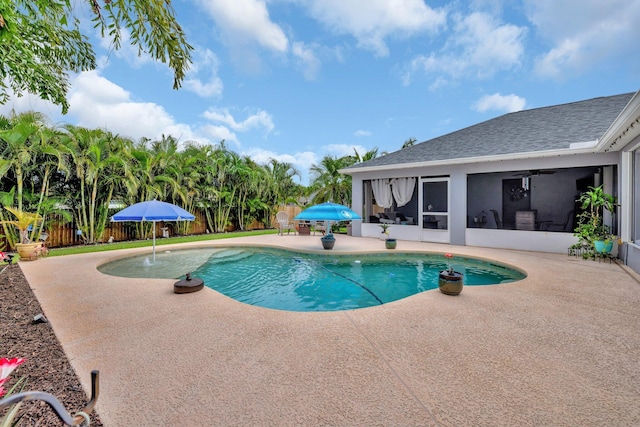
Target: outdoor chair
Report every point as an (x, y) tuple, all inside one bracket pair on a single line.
[(320, 226), (283, 223), (497, 218)]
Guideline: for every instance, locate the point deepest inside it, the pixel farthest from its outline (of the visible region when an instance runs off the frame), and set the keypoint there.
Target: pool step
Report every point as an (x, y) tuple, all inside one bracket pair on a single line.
[(229, 255)]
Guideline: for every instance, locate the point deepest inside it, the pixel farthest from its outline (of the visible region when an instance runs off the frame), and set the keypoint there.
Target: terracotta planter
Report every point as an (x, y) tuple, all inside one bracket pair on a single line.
[(450, 282), (27, 251)]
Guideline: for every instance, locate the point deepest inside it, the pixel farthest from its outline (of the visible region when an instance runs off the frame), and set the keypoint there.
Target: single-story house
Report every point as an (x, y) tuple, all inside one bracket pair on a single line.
[(512, 181)]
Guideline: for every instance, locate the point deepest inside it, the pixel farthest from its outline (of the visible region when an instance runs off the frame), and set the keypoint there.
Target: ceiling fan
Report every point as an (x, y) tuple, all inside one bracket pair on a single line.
[(535, 172)]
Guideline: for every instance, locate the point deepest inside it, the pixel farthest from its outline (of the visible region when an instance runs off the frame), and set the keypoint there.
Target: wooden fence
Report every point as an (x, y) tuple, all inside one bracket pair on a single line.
[(61, 235)]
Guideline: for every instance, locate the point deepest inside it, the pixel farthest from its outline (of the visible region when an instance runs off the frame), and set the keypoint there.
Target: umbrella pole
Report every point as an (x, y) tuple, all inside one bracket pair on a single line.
[(154, 240)]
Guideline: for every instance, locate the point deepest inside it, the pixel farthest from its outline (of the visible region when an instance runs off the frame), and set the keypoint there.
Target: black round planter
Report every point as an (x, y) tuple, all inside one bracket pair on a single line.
[(450, 282), (188, 285), (327, 243)]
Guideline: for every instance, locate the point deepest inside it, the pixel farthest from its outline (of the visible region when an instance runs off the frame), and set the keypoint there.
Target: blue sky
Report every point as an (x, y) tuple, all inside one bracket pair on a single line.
[(299, 79)]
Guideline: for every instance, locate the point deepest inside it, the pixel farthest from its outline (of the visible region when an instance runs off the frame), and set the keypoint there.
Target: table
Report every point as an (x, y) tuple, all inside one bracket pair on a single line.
[(525, 220), (304, 229)]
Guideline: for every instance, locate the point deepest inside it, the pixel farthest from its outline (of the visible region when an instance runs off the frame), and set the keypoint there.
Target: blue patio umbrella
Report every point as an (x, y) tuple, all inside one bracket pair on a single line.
[(153, 210), (327, 212)]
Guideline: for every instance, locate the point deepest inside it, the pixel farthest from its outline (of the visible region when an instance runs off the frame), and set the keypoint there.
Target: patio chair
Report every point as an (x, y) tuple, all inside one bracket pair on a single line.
[(284, 224), (320, 226), (497, 218)]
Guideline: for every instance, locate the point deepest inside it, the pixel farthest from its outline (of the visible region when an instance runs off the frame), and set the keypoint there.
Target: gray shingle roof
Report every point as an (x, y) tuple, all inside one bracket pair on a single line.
[(539, 129)]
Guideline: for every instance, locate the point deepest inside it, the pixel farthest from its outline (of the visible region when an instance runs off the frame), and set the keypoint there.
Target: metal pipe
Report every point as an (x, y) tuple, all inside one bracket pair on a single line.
[(55, 404)]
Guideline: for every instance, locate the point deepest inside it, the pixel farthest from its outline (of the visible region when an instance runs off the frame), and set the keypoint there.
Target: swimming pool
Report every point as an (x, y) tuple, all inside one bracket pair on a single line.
[(286, 280)]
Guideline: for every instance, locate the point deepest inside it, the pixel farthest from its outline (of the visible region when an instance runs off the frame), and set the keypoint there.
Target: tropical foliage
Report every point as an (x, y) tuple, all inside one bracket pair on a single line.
[(74, 173), (41, 41), (88, 174), (591, 226), (328, 184)]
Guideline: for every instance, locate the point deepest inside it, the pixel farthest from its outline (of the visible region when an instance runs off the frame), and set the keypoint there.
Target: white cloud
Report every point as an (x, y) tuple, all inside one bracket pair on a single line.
[(340, 150), (362, 133), (307, 60), (218, 133), (597, 31), (507, 103), (29, 102), (206, 64), (259, 120), (372, 21), (479, 47), (246, 21), (96, 102), (302, 161)]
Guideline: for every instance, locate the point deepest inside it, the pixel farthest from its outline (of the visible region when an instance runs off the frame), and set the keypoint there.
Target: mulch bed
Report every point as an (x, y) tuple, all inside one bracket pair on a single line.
[(47, 368)]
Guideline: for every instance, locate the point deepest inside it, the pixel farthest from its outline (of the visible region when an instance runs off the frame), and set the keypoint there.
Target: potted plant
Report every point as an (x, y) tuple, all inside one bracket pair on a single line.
[(328, 241), (388, 242), (449, 281), (24, 221), (591, 228)]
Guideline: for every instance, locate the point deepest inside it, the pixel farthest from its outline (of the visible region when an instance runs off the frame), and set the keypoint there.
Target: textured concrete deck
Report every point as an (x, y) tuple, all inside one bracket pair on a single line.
[(558, 348)]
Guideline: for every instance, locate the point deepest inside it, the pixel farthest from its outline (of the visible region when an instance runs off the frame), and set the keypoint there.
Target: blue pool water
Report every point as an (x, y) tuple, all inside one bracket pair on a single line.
[(286, 280)]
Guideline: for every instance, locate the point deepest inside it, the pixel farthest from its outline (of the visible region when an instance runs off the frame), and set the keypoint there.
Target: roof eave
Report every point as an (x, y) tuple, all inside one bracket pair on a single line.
[(587, 149), (624, 128)]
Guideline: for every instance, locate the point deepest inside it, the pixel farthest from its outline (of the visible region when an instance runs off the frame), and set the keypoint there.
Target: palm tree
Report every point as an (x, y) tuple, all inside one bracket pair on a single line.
[(23, 133), (102, 163), (282, 178), (328, 183), (409, 142), (31, 153), (369, 155), (52, 156)]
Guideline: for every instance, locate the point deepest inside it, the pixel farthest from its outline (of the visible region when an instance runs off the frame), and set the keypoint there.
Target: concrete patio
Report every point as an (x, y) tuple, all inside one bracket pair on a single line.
[(558, 348)]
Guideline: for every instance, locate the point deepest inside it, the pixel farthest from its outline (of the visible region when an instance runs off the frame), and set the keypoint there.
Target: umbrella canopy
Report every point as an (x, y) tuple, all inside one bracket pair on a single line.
[(327, 212), (153, 210)]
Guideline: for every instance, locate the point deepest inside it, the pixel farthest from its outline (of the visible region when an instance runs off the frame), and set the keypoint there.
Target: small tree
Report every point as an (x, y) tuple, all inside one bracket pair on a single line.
[(23, 221), (591, 226)]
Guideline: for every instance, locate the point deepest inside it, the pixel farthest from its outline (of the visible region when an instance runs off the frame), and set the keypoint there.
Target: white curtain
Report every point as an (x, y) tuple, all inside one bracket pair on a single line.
[(382, 192), (403, 190)]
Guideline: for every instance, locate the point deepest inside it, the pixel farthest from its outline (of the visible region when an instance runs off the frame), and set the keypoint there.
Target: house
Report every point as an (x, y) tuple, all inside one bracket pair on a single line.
[(512, 181)]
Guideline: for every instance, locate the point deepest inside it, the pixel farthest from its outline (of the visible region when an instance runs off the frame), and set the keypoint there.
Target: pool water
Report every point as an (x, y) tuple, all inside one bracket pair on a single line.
[(286, 280), (167, 265)]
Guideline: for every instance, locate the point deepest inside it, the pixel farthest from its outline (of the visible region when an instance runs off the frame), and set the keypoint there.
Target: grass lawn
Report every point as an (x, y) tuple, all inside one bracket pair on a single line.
[(72, 250)]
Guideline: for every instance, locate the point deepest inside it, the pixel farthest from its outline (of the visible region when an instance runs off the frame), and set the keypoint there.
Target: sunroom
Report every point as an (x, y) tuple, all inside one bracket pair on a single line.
[(510, 182)]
